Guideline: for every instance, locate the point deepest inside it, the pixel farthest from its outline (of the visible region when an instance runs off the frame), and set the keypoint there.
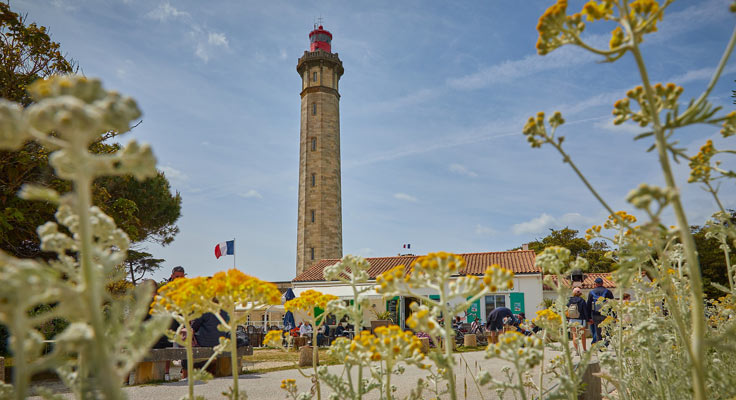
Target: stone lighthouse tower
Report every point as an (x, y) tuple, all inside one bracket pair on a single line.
[(319, 226)]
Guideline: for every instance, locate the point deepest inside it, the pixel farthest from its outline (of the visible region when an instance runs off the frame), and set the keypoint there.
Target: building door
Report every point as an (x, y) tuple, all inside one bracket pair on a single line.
[(517, 302)]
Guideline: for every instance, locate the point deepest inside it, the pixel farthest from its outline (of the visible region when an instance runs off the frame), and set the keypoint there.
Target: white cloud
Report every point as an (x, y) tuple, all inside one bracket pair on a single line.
[(405, 197), (217, 39), (626, 127), (204, 47), (175, 176), (283, 55), (511, 70), (545, 221), (462, 170), (484, 230), (165, 11), (251, 194)]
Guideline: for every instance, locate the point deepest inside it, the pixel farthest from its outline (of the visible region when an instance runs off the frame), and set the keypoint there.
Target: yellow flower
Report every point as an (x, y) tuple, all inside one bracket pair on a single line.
[(595, 10), (235, 287), (642, 11), (186, 297), (617, 38), (308, 300), (273, 339)]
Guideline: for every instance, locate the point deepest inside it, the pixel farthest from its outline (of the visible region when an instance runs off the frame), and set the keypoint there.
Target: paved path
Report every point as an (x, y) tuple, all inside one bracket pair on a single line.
[(266, 385)]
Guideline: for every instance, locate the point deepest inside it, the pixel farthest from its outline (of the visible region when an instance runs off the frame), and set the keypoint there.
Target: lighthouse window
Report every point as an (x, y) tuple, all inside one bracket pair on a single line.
[(314, 179), (314, 108), (314, 76), (314, 144)]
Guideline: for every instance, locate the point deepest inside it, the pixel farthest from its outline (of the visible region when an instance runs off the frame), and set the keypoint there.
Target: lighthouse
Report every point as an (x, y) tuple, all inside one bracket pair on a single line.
[(319, 224)]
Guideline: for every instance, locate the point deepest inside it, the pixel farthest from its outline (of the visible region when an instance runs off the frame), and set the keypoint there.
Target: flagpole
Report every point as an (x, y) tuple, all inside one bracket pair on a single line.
[(233, 252)]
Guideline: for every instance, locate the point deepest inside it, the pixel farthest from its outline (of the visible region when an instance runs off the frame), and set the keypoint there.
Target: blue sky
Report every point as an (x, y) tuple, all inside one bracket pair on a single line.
[(434, 96)]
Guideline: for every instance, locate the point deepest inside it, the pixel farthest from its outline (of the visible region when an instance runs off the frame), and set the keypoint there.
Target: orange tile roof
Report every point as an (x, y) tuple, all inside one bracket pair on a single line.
[(520, 262), (588, 281)]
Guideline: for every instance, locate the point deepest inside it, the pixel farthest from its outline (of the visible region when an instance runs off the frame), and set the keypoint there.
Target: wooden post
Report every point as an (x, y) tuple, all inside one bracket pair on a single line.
[(591, 383), (425, 344), (2, 369), (305, 356), (469, 340)]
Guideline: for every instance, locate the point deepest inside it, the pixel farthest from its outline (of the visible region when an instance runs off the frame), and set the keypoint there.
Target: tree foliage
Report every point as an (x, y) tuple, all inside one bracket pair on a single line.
[(147, 210), (594, 252), (712, 261)]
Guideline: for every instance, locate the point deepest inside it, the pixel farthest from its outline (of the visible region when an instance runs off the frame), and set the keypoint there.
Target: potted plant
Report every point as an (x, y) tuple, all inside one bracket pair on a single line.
[(381, 318)]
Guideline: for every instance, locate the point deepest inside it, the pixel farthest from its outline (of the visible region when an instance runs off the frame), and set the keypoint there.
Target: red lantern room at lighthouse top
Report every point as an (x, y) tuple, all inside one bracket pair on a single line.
[(320, 39)]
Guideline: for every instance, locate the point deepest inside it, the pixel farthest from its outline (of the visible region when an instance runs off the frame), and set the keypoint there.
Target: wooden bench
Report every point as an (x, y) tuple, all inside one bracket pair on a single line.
[(153, 366)]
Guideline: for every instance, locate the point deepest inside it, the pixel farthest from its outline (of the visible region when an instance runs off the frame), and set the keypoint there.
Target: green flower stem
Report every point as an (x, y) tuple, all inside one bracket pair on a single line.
[(563, 337), (520, 375), (190, 357), (94, 286), (450, 376), (21, 374), (696, 287), (388, 380), (541, 365), (315, 352), (234, 352)]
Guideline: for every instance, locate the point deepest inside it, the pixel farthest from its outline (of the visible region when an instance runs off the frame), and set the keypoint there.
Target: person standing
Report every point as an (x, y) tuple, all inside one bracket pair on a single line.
[(577, 316), (594, 306)]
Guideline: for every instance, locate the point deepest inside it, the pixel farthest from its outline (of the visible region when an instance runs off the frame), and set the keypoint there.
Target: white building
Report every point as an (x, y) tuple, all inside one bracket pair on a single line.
[(525, 297)]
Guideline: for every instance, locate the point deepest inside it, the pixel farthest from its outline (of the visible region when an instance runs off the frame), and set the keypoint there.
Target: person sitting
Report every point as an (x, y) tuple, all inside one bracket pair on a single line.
[(305, 330), (322, 333), (340, 330), (206, 334)]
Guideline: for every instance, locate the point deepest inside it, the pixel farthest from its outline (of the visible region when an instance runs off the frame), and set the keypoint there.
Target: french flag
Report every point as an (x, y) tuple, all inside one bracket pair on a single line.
[(225, 249), (407, 246)]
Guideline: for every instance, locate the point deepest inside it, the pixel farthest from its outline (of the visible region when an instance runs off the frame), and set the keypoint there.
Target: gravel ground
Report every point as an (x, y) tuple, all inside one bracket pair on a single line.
[(266, 385)]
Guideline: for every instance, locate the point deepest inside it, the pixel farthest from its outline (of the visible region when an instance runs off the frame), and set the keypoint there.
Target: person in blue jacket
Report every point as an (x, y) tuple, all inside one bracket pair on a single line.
[(595, 308), (577, 314)]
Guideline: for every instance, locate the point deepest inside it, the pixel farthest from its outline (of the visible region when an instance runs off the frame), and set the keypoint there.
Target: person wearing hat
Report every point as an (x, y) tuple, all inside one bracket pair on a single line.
[(594, 306), (177, 272)]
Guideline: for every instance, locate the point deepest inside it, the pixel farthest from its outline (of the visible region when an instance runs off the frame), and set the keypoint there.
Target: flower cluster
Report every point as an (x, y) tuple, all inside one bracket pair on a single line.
[(497, 278), (234, 287), (644, 15), (184, 297), (595, 10), (550, 321), (700, 168), (308, 300), (389, 344), (348, 269), (524, 351), (290, 386), (433, 269), (273, 339), (424, 319), (665, 97), (555, 260), (729, 124), (644, 196), (556, 28), (536, 132)]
